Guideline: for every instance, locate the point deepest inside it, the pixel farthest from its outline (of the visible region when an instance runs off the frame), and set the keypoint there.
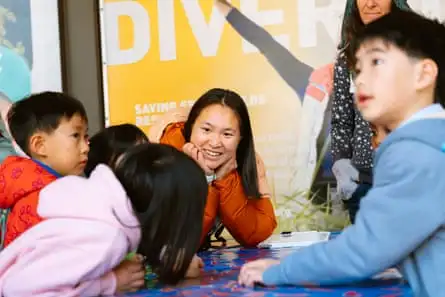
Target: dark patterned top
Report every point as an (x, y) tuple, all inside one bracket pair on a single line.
[(351, 134)]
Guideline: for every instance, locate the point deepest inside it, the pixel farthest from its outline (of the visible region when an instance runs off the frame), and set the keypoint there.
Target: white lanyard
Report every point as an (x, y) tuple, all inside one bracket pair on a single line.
[(351, 85)]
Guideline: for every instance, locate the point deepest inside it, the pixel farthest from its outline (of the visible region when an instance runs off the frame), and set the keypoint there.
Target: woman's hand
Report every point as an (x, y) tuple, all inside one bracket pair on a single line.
[(226, 168), (223, 6), (194, 152)]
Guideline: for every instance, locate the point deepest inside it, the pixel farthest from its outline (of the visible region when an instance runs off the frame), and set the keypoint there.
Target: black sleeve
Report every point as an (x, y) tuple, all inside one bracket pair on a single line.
[(343, 113)]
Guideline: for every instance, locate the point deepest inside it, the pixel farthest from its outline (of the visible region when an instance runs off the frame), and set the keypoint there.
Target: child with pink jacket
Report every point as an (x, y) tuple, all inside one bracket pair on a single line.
[(91, 224)]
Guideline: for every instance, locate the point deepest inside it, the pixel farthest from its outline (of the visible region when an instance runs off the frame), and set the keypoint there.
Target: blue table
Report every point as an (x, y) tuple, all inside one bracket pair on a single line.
[(221, 272)]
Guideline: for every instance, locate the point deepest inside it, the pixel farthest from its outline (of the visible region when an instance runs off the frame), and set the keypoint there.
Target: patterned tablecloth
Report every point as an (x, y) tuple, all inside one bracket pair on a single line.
[(221, 271)]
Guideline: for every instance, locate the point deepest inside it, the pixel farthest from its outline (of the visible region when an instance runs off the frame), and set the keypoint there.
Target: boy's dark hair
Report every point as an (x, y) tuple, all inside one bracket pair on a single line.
[(107, 145), (352, 25), (416, 35), (245, 153), (168, 191), (41, 112)]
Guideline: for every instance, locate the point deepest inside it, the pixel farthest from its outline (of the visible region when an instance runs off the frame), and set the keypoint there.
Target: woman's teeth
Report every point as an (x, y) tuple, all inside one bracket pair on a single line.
[(213, 154)]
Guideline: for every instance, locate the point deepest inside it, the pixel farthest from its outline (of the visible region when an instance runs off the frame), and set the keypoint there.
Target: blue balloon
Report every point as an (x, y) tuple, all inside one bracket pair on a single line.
[(15, 84), (15, 75)]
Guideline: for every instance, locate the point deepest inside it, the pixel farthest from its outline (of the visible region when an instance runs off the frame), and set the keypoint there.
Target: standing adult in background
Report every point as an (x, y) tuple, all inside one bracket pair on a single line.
[(354, 139)]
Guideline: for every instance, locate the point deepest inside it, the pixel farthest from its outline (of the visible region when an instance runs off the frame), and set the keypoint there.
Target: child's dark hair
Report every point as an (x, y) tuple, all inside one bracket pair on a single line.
[(352, 25), (168, 191), (41, 112), (245, 153), (417, 36), (107, 145)]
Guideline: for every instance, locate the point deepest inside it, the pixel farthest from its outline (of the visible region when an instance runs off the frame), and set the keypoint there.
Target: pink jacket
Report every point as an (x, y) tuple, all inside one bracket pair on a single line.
[(88, 228)]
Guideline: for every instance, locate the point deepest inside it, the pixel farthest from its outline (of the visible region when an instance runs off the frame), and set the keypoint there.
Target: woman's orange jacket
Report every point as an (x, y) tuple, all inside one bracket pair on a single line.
[(250, 221)]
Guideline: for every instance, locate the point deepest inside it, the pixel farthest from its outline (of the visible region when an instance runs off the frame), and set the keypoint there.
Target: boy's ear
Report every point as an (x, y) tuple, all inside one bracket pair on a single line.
[(427, 72), (37, 144)]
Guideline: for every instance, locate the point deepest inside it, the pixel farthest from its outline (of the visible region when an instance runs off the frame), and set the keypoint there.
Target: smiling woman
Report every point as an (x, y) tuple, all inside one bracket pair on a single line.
[(218, 135)]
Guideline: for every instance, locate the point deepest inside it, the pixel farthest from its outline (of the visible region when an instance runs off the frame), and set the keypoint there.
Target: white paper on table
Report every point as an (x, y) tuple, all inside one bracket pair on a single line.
[(294, 239)]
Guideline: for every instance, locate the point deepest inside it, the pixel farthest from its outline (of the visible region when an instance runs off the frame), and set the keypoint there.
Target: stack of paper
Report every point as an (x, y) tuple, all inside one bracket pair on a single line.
[(294, 239)]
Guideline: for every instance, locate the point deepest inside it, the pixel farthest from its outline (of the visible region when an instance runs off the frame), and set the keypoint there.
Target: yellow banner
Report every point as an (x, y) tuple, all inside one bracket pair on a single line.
[(163, 54)]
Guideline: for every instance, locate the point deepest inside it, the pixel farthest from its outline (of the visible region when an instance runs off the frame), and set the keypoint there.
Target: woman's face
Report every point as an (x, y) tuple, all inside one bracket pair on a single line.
[(371, 10), (216, 132)]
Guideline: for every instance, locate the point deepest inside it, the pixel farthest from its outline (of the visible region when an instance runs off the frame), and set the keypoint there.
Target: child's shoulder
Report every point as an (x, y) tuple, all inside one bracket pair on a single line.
[(10, 160), (416, 141), (22, 165), (20, 177), (429, 131)]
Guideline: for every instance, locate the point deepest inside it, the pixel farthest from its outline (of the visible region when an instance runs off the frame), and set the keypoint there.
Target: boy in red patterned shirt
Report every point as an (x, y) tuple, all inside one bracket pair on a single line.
[(51, 128)]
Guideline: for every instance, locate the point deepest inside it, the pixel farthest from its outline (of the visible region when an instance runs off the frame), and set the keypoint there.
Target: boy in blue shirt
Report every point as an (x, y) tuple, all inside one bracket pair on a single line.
[(401, 86)]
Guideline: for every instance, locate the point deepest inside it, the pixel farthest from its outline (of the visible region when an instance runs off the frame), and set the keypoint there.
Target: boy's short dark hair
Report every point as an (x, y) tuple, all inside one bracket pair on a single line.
[(41, 112), (416, 35)]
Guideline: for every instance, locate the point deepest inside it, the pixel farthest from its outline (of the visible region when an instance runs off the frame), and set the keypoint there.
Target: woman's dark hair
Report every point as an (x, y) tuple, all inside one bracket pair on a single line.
[(107, 145), (353, 25), (245, 153), (168, 191)]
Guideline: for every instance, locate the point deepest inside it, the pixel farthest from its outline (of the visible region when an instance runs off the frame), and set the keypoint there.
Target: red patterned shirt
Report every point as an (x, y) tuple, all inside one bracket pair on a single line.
[(21, 180)]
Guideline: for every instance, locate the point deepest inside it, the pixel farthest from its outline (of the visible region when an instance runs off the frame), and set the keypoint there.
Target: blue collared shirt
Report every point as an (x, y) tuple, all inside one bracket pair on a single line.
[(47, 168)]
